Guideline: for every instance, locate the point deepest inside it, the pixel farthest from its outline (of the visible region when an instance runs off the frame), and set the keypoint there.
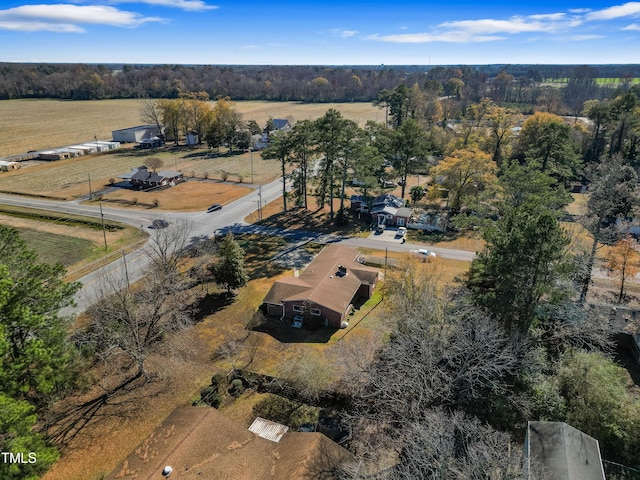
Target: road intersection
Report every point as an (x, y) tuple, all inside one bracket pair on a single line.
[(202, 225)]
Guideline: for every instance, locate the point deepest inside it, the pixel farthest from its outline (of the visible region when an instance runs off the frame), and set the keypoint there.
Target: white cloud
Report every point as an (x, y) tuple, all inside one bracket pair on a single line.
[(514, 25), (582, 38), (490, 29), (629, 9), (344, 33), (349, 33), (68, 18), (548, 16), (450, 37), (187, 5), (634, 27), (19, 26)]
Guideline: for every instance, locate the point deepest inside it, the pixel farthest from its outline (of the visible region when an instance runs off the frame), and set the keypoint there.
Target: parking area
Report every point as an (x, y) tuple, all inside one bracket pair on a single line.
[(388, 235)]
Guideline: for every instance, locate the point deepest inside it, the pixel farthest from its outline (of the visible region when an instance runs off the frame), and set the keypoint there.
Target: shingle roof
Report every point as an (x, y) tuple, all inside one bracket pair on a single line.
[(322, 283), (201, 443), (285, 288), (280, 123), (144, 175)]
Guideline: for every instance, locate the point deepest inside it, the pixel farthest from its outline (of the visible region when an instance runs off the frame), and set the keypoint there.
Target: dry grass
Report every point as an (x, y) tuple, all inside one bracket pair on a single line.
[(123, 423), (579, 204), (43, 124), (104, 443), (185, 197), (51, 243)]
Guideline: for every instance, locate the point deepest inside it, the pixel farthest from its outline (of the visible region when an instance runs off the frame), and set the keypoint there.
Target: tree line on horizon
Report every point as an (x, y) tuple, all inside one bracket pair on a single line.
[(521, 84), (511, 340)]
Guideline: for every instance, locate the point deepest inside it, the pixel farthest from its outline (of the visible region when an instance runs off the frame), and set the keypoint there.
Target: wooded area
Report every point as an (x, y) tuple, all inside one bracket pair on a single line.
[(510, 83)]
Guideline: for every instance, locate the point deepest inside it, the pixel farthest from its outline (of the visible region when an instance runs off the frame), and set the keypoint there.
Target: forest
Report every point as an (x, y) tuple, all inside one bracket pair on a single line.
[(298, 83)]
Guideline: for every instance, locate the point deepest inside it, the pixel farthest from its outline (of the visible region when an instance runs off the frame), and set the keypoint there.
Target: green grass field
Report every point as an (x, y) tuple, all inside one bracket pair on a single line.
[(54, 248), (602, 81)]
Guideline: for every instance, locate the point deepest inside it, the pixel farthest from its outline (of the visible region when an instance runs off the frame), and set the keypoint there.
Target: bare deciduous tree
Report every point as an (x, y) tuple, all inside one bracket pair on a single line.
[(128, 321), (154, 163)]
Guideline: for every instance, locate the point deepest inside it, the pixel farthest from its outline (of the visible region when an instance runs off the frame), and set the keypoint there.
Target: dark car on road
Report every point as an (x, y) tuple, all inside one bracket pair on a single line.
[(159, 223), (214, 207)]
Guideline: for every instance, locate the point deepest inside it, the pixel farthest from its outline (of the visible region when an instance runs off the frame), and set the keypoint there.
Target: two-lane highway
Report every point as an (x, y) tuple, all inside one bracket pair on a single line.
[(201, 225), (134, 264)]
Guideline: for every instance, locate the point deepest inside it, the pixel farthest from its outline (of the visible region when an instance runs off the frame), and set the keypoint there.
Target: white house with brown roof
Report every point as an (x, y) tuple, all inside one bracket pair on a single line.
[(324, 293)]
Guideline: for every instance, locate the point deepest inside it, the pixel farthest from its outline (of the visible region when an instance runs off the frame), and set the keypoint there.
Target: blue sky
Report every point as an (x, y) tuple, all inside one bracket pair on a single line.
[(319, 33)]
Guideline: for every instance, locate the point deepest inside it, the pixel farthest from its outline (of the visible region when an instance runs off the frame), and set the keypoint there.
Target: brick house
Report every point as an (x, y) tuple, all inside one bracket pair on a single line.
[(324, 293)]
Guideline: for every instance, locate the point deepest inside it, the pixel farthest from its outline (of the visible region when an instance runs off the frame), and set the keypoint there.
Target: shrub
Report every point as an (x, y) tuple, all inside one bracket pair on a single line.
[(218, 379), (205, 175), (285, 411), (224, 175), (237, 387), (210, 396)]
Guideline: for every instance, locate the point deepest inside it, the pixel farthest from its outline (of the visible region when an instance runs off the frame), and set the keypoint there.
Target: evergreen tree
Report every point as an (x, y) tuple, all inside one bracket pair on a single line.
[(521, 266), (17, 419), (36, 359), (279, 148), (229, 270), (36, 356)]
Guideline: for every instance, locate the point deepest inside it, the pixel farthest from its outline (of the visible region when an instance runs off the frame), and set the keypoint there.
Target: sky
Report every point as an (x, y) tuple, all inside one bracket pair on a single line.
[(286, 32)]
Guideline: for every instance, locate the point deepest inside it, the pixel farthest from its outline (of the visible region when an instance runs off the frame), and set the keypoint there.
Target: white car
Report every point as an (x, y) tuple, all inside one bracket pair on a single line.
[(424, 254), (402, 231)]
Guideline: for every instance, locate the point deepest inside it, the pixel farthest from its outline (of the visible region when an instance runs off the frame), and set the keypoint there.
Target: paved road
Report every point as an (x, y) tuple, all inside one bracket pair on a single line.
[(133, 265), (202, 226)]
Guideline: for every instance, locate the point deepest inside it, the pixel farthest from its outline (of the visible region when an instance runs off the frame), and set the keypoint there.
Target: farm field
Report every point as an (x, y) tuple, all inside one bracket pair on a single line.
[(69, 179), (602, 81), (79, 248), (56, 248), (35, 124)]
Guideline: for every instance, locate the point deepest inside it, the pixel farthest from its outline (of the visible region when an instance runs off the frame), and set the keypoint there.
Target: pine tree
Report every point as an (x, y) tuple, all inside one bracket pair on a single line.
[(229, 269)]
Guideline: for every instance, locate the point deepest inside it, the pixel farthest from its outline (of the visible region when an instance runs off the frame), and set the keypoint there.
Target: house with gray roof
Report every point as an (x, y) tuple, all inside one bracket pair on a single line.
[(558, 451), (143, 177)]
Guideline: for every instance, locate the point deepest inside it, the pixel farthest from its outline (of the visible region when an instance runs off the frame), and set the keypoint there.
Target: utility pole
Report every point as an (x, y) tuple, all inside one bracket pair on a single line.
[(126, 272), (251, 161), (104, 233), (90, 192), (260, 203)]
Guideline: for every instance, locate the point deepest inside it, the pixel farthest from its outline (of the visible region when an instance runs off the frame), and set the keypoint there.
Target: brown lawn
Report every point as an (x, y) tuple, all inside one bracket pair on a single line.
[(42, 124), (184, 197)]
